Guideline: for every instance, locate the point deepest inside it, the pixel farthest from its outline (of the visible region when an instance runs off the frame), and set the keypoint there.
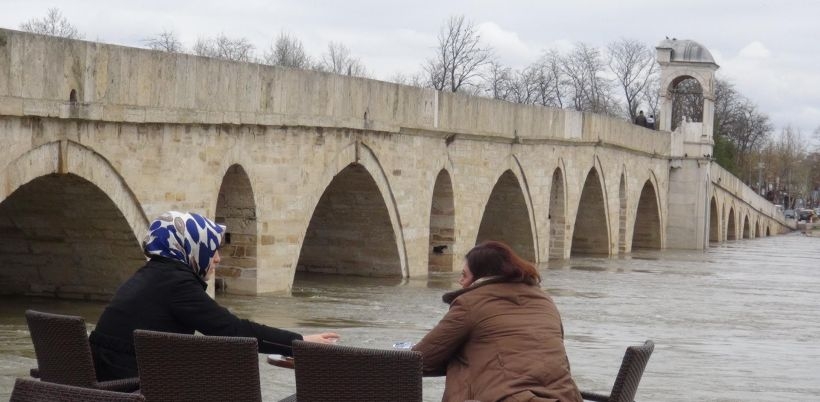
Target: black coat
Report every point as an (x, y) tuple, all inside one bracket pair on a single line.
[(165, 295)]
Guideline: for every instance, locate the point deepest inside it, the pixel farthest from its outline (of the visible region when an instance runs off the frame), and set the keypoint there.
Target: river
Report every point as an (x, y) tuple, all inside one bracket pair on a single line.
[(738, 322)]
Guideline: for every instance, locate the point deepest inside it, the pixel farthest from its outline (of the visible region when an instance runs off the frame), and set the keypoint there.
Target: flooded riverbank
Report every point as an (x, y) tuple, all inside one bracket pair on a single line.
[(735, 323)]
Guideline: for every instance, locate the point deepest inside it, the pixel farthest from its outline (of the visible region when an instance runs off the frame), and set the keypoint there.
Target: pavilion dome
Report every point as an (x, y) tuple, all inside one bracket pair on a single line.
[(686, 50)]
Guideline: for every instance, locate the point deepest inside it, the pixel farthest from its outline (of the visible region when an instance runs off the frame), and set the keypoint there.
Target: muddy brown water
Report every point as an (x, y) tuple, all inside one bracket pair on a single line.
[(738, 322)]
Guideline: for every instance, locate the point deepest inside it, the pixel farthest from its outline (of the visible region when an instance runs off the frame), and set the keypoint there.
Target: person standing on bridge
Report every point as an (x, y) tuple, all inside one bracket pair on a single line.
[(168, 294), (640, 119), (502, 338)]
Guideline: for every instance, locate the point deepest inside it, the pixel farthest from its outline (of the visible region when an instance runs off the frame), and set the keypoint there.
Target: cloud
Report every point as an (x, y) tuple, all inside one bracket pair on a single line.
[(777, 82), (508, 46), (754, 50)]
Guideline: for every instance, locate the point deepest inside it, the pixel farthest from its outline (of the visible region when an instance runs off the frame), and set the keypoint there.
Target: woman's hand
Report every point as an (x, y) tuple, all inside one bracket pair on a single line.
[(326, 337)]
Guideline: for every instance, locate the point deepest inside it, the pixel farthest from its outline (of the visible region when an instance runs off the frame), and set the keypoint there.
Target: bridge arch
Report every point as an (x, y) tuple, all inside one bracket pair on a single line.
[(558, 213), (731, 231), (236, 209), (508, 216), (354, 227), (747, 233), (714, 221), (622, 213), (590, 234), (75, 224), (647, 230), (442, 224)]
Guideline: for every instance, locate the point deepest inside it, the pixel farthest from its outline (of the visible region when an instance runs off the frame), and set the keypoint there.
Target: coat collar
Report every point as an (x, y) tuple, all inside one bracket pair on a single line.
[(450, 296)]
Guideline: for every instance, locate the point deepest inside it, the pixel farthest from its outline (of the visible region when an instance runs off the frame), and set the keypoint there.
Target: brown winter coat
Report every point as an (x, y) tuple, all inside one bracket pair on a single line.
[(500, 341)]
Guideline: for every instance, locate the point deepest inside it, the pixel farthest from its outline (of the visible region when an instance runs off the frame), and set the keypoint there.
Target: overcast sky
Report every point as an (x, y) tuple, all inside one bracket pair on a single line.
[(770, 50)]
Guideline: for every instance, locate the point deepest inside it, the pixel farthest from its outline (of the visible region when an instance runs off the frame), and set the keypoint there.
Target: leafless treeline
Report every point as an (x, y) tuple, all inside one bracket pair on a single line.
[(615, 82), (285, 50), (788, 164), (54, 24)]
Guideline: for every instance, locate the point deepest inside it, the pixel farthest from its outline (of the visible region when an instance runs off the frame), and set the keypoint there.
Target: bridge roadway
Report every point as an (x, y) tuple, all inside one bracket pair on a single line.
[(319, 172)]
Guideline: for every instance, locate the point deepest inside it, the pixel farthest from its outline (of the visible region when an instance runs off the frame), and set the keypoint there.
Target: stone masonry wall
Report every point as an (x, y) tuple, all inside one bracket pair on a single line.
[(155, 131)]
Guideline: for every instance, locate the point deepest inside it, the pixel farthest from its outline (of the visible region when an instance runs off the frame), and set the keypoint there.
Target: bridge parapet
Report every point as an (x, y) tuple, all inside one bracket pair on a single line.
[(55, 77), (604, 129), (731, 184), (465, 114), (115, 83)]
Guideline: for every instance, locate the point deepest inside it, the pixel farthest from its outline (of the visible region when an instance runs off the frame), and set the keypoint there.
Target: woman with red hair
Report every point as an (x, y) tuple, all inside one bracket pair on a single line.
[(502, 338)]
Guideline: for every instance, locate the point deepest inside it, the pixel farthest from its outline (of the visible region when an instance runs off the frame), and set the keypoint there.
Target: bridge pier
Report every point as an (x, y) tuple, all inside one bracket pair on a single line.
[(689, 189)]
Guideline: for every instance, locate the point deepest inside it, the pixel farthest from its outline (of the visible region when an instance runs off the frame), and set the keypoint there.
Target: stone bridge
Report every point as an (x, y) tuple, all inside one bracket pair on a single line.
[(326, 173)]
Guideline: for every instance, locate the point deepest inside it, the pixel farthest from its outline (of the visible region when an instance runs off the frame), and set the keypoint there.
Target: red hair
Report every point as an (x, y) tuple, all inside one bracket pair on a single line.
[(494, 258)]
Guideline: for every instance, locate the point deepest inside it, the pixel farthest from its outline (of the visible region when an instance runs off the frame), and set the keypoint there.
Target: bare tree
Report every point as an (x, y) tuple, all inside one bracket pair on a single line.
[(550, 85), (498, 81), (652, 95), (739, 125), (817, 139), (165, 41), (459, 58), (524, 86), (589, 91), (726, 102), (749, 135), (633, 64), (788, 165), (223, 47), (414, 80), (287, 51), (739, 120), (541, 83), (53, 24), (338, 60)]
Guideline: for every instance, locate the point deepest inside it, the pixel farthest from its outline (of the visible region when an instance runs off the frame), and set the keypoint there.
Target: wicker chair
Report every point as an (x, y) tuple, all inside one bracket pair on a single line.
[(64, 354), (179, 367), (629, 375), (343, 373), (40, 391)]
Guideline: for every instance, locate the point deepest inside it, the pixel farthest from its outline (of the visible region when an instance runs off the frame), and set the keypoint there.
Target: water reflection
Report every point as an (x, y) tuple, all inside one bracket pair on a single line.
[(736, 323), (590, 268)]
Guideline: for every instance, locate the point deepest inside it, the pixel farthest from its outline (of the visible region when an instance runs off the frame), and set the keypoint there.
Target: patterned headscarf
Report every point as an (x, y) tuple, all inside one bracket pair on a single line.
[(186, 237)]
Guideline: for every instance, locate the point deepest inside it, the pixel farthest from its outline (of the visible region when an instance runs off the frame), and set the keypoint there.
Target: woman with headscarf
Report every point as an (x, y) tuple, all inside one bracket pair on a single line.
[(168, 294), (502, 338)]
